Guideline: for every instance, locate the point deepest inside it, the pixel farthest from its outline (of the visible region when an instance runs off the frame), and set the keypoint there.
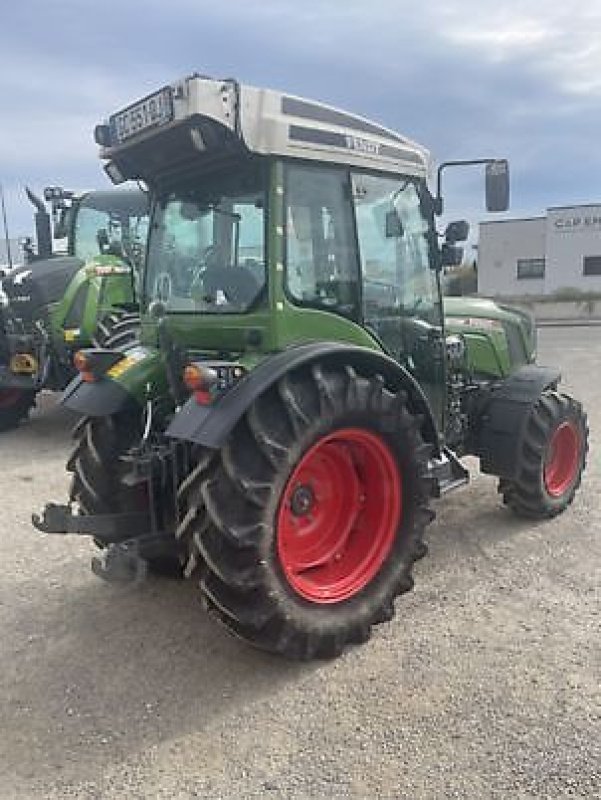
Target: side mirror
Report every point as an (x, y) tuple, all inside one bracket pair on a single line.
[(457, 231), (451, 256), (394, 225), (497, 186)]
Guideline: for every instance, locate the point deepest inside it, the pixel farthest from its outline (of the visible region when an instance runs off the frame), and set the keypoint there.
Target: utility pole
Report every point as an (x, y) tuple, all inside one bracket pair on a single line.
[(6, 237)]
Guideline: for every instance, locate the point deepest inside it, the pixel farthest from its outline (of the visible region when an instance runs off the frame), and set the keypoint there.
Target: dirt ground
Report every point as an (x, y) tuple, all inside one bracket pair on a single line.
[(485, 685)]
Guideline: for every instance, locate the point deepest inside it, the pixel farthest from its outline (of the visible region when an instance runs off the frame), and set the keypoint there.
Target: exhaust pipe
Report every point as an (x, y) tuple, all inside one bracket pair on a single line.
[(42, 225)]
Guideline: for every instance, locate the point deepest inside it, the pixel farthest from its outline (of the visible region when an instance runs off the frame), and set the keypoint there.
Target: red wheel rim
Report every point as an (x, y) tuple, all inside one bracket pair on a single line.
[(339, 515), (562, 459), (8, 397)]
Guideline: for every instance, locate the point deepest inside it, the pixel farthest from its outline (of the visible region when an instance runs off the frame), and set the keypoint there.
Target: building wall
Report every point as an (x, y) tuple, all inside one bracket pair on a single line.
[(510, 253), (572, 234), (500, 247)]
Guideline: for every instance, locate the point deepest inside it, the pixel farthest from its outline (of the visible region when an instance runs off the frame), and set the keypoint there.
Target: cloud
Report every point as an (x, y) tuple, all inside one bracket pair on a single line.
[(470, 78)]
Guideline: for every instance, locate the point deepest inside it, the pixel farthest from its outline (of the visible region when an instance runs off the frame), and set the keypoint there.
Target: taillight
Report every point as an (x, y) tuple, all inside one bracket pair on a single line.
[(93, 363), (200, 380)]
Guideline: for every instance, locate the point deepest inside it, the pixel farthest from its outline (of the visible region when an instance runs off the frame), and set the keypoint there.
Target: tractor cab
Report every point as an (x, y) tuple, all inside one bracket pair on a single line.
[(278, 221)]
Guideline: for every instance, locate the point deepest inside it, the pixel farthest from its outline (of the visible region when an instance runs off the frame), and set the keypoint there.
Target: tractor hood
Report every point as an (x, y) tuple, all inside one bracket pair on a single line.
[(478, 318)]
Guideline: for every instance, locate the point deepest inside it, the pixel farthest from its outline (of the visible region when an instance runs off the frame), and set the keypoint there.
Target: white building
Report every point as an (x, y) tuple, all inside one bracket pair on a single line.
[(542, 254)]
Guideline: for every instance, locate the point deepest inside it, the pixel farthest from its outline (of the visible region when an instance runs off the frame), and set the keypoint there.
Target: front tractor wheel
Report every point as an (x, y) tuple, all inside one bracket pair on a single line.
[(305, 526), (551, 460), (15, 405)]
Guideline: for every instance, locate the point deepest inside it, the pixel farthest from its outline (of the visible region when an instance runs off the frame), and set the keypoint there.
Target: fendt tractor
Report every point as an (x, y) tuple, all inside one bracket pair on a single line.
[(295, 403), (61, 301)]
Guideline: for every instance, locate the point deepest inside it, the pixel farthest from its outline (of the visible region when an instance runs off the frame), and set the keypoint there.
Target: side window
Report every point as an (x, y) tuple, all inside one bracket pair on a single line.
[(321, 258), (393, 239)]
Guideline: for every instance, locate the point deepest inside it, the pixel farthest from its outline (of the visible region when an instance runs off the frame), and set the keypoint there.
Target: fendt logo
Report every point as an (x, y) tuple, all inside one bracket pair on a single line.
[(362, 145)]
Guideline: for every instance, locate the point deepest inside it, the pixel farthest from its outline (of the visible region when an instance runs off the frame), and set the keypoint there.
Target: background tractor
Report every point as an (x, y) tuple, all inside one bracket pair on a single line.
[(62, 300), (296, 400)]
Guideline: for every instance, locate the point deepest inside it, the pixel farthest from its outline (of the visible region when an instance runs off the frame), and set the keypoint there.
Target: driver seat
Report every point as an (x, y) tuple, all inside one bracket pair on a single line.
[(239, 286)]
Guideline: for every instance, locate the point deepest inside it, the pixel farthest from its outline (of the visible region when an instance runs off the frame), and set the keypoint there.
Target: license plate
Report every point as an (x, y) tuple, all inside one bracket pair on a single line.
[(154, 110)]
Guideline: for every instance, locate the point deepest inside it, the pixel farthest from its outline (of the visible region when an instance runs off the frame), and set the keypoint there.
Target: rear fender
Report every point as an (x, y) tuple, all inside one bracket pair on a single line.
[(210, 425), (138, 376), (99, 399)]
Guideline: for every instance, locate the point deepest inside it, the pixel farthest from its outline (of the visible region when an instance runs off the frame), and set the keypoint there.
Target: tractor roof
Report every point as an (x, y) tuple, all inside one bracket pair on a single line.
[(199, 123)]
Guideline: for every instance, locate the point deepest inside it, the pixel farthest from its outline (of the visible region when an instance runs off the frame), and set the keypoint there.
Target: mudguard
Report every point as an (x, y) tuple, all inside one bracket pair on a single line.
[(503, 414), (98, 399), (210, 425)]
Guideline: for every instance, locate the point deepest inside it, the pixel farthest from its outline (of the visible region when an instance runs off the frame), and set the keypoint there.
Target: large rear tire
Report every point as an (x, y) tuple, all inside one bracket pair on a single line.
[(98, 469), (551, 460), (305, 526), (118, 329), (15, 405)]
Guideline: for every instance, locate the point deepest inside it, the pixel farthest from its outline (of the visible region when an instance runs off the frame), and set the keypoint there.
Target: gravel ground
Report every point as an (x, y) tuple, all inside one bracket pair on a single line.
[(486, 684)]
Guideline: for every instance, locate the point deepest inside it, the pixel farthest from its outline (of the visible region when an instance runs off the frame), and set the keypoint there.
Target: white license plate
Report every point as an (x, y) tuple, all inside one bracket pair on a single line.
[(157, 109)]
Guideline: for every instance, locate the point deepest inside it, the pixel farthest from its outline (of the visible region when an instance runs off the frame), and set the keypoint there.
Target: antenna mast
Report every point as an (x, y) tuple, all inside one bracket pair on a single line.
[(6, 237)]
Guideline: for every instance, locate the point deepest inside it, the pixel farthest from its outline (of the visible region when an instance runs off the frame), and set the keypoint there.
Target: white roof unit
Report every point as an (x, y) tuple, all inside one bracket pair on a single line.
[(200, 120)]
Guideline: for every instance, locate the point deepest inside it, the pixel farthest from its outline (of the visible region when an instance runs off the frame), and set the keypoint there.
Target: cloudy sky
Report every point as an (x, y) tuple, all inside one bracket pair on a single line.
[(467, 78)]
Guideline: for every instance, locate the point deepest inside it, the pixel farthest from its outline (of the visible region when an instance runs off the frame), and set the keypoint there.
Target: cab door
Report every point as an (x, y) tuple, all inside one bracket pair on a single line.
[(400, 294)]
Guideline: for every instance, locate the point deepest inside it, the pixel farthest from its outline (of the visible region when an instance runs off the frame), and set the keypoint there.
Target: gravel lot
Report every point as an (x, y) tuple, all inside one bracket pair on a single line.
[(486, 684)]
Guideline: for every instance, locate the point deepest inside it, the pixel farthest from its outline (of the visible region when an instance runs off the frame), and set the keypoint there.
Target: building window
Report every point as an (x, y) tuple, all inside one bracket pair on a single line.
[(591, 265), (531, 268)]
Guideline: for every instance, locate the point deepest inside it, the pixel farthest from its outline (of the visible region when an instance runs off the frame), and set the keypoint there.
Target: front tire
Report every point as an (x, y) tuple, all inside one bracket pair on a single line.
[(305, 526), (15, 405), (551, 460)]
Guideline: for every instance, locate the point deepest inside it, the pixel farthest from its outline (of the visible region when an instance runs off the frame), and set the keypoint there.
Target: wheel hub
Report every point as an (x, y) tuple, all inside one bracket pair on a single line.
[(303, 499), (562, 459)]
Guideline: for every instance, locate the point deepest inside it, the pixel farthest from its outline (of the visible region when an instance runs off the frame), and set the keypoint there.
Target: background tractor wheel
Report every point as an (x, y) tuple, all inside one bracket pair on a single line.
[(552, 458), (15, 405), (98, 470), (117, 329), (305, 526)]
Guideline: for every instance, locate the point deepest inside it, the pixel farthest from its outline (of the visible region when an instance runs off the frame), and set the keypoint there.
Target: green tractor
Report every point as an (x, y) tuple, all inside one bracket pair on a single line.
[(296, 402), (59, 302)]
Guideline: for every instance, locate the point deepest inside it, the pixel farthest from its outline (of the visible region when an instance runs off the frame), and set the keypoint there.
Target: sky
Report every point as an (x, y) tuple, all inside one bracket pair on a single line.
[(519, 79)]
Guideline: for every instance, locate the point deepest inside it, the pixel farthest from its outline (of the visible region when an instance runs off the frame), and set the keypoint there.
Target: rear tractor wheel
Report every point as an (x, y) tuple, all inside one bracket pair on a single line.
[(98, 484), (15, 405), (304, 527), (551, 460)]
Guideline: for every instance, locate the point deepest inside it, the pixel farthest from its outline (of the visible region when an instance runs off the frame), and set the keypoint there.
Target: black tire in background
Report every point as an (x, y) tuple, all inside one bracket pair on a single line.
[(240, 507), (15, 405), (117, 329), (551, 460)]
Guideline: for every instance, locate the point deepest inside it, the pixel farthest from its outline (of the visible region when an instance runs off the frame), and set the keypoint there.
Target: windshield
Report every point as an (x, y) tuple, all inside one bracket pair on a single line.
[(206, 251), (111, 223), (394, 241)]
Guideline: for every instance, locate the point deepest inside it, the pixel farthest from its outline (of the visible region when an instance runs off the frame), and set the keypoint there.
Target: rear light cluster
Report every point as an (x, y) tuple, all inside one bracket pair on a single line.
[(207, 381), (92, 364)]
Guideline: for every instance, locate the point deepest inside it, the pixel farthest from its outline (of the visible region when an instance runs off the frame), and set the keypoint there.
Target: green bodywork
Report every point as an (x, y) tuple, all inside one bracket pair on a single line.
[(499, 338), (104, 283)]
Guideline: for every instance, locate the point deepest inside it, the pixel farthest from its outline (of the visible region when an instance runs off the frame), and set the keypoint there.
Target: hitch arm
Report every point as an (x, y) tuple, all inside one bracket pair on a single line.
[(107, 528)]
